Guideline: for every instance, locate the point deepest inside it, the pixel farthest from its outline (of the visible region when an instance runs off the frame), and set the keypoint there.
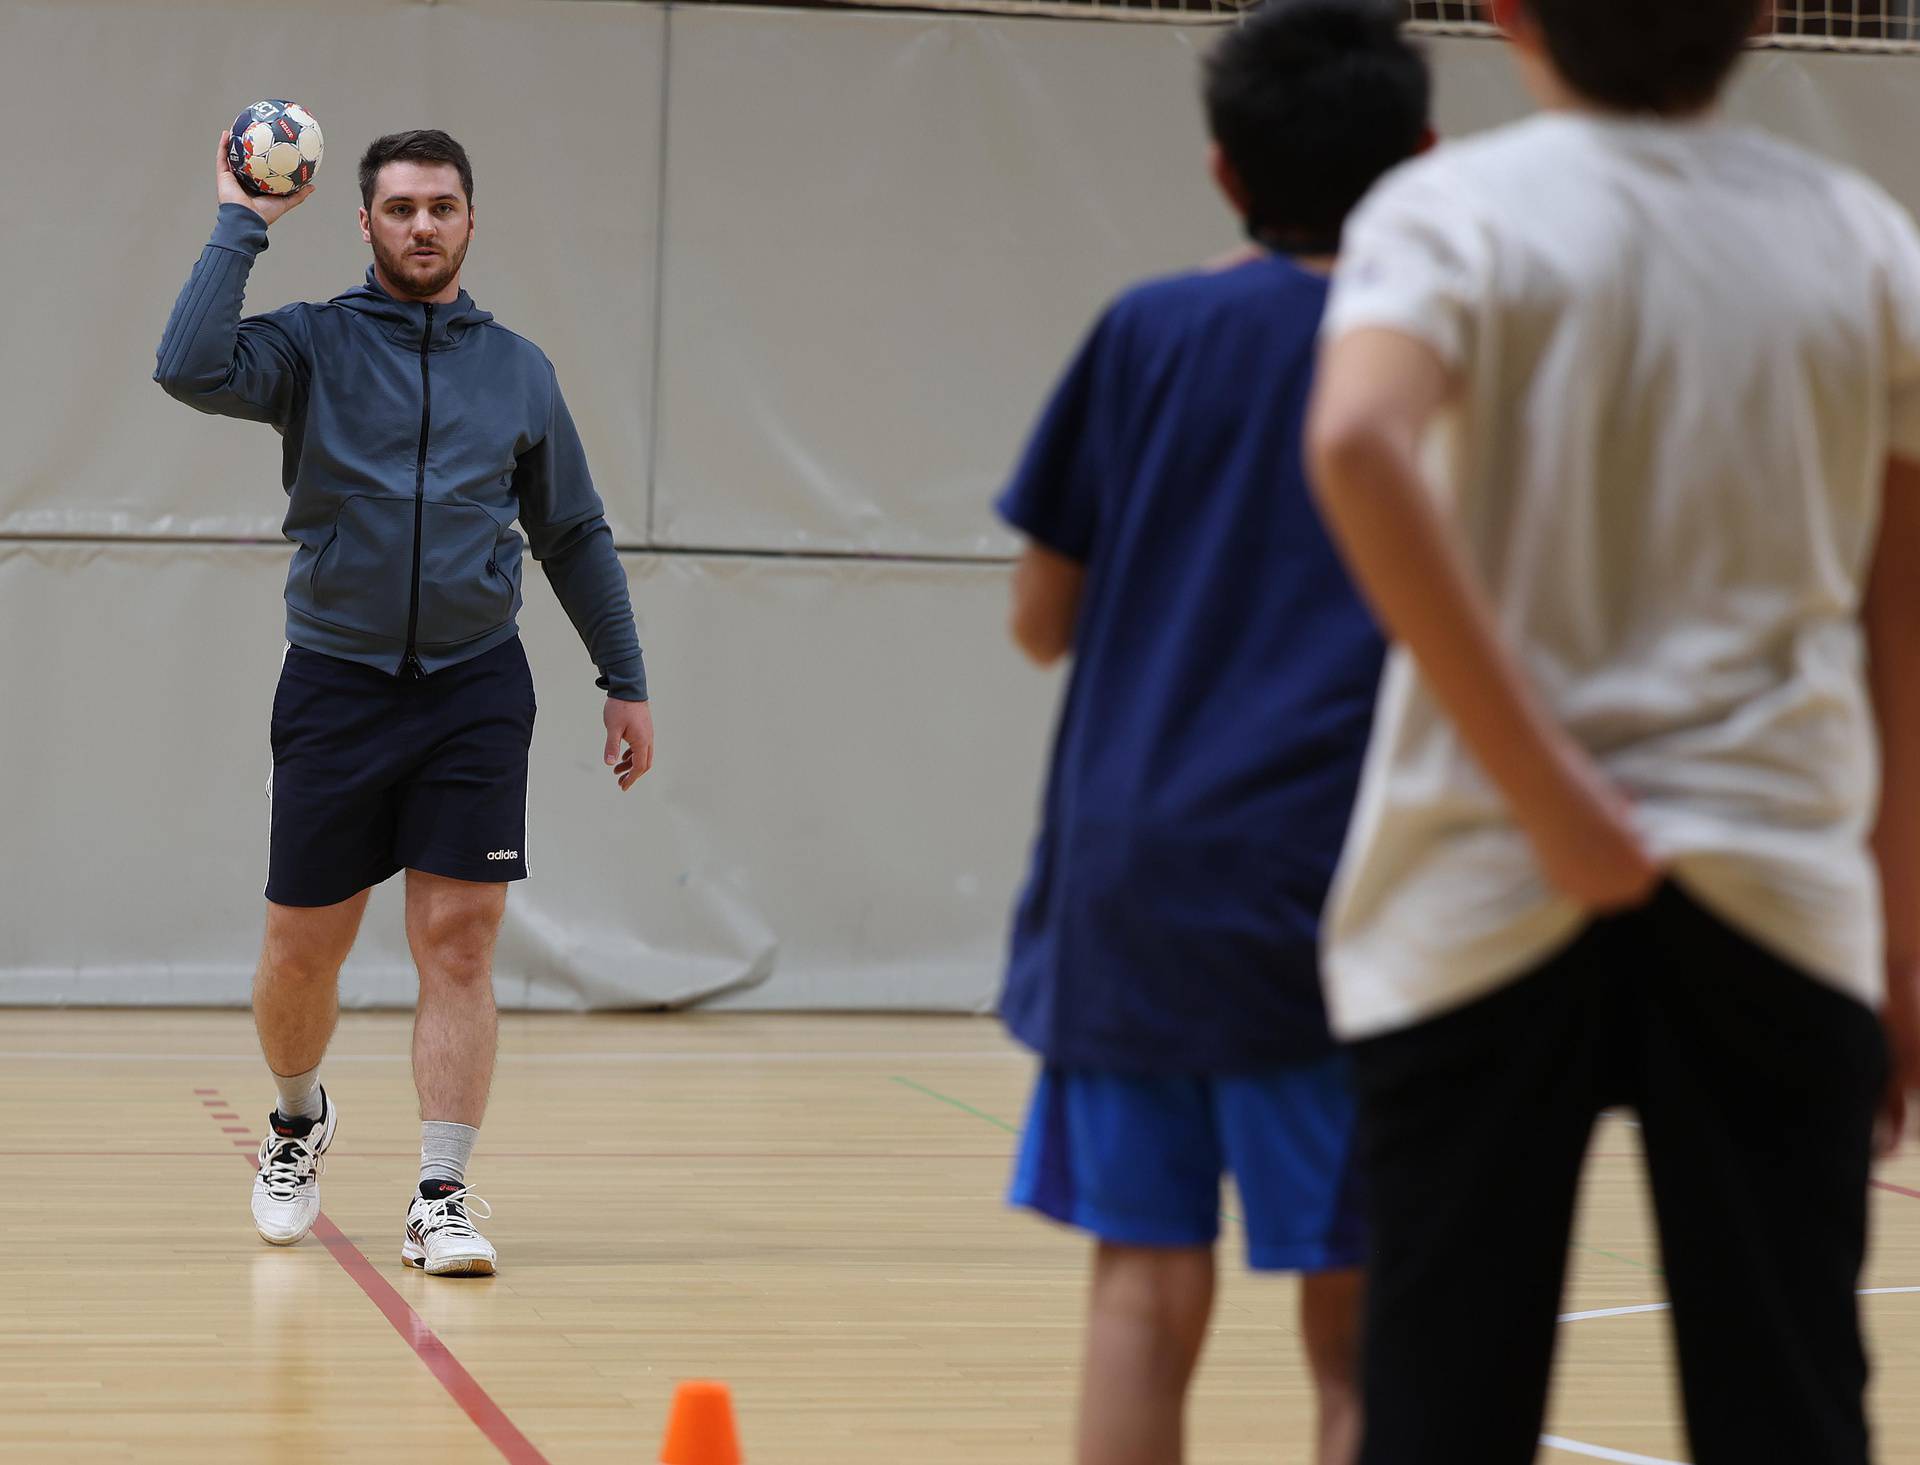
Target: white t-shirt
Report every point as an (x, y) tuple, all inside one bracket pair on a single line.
[(1687, 351)]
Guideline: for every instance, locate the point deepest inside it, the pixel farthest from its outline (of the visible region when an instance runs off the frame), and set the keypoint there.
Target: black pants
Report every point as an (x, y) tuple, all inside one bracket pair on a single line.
[(1757, 1089)]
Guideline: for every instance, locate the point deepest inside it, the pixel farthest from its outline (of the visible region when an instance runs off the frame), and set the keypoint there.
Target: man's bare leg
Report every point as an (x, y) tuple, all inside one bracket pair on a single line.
[(451, 926), (296, 991), (296, 1002)]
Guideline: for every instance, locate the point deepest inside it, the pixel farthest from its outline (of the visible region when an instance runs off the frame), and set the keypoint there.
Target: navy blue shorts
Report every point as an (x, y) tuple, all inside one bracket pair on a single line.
[(1138, 1161), (373, 774)]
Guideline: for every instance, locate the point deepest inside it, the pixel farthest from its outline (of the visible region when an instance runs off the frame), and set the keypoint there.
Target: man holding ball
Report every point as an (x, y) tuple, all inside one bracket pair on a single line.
[(415, 432)]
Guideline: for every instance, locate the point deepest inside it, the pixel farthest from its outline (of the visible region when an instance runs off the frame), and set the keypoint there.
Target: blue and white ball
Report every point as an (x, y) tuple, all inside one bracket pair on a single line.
[(276, 147)]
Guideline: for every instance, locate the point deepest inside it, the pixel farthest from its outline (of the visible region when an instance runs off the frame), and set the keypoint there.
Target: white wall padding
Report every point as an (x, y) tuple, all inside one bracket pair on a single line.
[(849, 755), (558, 103), (884, 235), (1858, 109), (1854, 108)]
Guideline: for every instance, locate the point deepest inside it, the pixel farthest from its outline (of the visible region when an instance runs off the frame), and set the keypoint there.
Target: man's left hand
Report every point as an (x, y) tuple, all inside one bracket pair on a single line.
[(629, 723)]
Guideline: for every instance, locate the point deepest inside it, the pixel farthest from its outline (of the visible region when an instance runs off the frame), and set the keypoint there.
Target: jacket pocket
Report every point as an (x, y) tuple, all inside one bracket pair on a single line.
[(467, 581), (360, 578)]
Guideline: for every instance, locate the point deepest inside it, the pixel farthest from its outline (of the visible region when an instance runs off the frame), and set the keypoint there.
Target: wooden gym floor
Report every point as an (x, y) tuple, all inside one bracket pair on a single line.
[(808, 1208)]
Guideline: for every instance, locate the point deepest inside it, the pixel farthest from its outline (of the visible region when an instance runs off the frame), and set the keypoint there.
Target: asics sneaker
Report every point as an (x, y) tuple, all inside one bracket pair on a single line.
[(440, 1239), (286, 1192)]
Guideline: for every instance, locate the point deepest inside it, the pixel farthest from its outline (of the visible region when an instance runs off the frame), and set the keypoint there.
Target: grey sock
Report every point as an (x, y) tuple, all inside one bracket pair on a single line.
[(299, 1094), (445, 1148)]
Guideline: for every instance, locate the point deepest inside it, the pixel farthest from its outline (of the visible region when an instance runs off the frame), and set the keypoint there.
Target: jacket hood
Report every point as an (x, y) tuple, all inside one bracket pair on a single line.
[(405, 320)]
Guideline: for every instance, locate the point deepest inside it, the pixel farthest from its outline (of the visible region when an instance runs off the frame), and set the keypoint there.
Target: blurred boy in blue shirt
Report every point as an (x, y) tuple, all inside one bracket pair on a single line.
[(1164, 957)]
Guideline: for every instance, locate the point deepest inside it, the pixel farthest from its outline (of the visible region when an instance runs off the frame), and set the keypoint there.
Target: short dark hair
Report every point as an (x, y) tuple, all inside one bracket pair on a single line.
[(1655, 56), (424, 145), (1311, 101)]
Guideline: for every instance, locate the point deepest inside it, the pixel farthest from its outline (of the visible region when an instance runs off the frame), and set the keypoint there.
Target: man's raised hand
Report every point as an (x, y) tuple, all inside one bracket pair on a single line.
[(268, 206)]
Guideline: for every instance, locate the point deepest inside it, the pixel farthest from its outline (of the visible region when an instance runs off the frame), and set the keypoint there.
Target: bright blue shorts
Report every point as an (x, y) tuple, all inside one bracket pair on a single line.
[(1138, 1161)]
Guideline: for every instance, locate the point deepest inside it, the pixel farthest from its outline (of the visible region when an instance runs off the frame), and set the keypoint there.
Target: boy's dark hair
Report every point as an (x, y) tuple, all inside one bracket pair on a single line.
[(1646, 55), (426, 145), (1311, 101)]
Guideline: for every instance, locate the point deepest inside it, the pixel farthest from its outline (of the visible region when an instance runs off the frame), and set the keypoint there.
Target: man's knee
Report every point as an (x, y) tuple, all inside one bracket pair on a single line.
[(309, 946), (300, 966), (454, 940), (457, 957), (462, 973)]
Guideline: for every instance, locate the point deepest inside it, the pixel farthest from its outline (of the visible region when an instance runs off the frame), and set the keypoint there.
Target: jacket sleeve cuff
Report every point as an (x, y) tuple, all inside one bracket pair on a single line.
[(627, 682), (240, 229)]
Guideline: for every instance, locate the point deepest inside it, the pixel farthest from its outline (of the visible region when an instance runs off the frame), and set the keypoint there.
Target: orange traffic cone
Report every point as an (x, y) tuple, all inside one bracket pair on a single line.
[(700, 1429)]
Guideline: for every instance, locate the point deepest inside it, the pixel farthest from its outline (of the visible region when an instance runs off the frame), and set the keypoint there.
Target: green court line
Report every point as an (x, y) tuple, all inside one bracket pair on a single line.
[(949, 1099), (1615, 1256), (999, 1123)]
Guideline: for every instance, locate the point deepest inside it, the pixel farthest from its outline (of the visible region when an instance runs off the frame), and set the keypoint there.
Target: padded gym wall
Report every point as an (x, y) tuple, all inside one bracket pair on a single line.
[(805, 277)]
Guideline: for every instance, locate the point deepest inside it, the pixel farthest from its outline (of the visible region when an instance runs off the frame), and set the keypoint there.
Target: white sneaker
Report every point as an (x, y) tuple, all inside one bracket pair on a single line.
[(441, 1239), (286, 1192)]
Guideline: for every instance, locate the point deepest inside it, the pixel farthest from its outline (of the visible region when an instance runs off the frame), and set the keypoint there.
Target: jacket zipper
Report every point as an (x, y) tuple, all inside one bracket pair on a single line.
[(410, 667)]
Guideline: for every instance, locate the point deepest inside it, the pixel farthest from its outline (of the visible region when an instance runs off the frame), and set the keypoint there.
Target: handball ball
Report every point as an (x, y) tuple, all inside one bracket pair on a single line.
[(275, 147)]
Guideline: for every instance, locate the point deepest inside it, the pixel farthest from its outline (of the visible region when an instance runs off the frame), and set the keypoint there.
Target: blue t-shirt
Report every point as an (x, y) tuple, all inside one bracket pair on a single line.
[(1222, 689)]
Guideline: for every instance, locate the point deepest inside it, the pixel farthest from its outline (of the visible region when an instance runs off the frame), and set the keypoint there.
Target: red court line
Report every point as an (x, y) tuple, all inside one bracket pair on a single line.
[(233, 1128), (461, 1386), (1896, 1189), (206, 1091)]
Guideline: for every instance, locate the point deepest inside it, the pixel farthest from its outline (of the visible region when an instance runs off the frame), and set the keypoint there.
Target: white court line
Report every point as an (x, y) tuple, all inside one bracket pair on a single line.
[(605, 1056), (1601, 1452), (1580, 1317)]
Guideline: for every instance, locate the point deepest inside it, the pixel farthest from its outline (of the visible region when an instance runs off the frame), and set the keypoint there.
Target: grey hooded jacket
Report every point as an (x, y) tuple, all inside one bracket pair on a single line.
[(413, 436)]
